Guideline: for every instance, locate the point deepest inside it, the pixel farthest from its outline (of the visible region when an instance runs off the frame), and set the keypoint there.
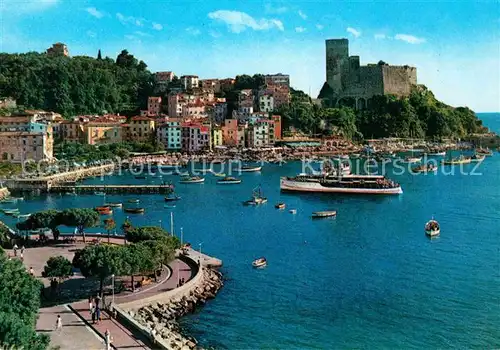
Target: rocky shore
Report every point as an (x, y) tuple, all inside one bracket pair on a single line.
[(162, 318)]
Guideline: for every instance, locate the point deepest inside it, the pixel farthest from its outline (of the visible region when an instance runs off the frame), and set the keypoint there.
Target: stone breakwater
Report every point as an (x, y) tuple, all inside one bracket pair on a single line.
[(162, 317)]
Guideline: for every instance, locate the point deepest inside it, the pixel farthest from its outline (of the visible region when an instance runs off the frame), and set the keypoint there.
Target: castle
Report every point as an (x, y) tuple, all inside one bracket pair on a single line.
[(354, 85)]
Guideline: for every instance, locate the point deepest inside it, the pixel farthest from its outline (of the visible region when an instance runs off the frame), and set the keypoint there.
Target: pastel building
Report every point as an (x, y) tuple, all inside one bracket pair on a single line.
[(189, 82), (261, 134), (195, 109), (170, 134), (217, 136), (18, 146), (140, 129), (176, 103), (266, 103), (220, 112), (154, 106), (195, 137), (102, 132), (230, 132)]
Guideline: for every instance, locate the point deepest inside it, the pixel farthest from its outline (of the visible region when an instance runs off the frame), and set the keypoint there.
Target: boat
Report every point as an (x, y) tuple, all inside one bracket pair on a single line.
[(484, 151), (220, 174), (425, 168), (432, 228), (293, 211), (260, 262), (22, 216), (324, 214), (133, 201), (114, 205), (257, 197), (249, 169), (192, 180), (141, 177), (355, 155), (171, 198), (457, 161), (345, 184), (10, 211), (101, 208), (99, 193), (167, 206), (412, 159), (203, 171), (134, 210), (280, 206), (104, 210), (437, 154), (229, 181), (477, 157), (8, 200)]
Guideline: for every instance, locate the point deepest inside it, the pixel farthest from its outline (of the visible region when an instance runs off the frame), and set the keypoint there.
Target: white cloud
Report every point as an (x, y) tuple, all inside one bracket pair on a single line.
[(411, 39), (26, 6), (300, 29), (379, 36), (193, 31), (94, 12), (139, 33), (274, 10), (91, 34), (214, 34), (356, 33), (157, 26), (320, 26), (239, 21), (302, 14), (130, 20)]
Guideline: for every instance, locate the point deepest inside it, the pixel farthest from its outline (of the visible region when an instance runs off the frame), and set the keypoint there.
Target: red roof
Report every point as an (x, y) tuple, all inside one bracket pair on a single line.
[(142, 118)]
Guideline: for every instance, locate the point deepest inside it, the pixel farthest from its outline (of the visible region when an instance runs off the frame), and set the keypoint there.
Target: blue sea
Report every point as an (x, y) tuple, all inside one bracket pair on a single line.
[(368, 278)]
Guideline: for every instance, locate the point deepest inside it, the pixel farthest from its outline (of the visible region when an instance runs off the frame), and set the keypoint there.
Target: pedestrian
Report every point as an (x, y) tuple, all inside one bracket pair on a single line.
[(32, 272), (152, 334), (15, 249), (22, 257), (97, 315), (91, 304), (22, 249), (92, 313), (59, 323), (108, 339)]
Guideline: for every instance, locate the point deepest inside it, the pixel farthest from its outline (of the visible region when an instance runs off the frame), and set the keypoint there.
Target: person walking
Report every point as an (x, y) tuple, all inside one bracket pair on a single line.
[(58, 323), (15, 249), (108, 339), (22, 249)]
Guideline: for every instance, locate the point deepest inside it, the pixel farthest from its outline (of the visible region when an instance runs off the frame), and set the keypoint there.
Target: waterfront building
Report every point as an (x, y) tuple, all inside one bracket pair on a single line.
[(58, 49), (189, 82), (241, 135), (277, 127), (230, 132), (195, 137), (217, 136), (266, 102), (261, 134), (154, 106), (20, 145), (220, 112), (170, 134), (140, 129), (102, 132), (277, 79), (354, 85)]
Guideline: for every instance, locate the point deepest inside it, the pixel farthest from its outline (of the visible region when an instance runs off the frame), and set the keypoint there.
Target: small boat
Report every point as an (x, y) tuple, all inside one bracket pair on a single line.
[(425, 168), (104, 210), (280, 206), (477, 157), (412, 159), (249, 169), (192, 180), (70, 194), (114, 205), (172, 198), (99, 193), (229, 181), (432, 228), (220, 174), (324, 214), (141, 177), (257, 198), (133, 201), (457, 161), (10, 211), (8, 200), (260, 262), (22, 216), (167, 206), (134, 210), (203, 171), (18, 198), (437, 154), (484, 151), (293, 211)]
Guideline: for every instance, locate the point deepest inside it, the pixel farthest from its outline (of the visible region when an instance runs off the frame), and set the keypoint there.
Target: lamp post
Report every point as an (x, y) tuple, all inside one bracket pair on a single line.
[(182, 234), (113, 286), (199, 258)]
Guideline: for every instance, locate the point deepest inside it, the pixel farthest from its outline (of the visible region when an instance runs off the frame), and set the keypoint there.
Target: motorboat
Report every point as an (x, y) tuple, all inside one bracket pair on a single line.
[(133, 201), (425, 168), (484, 151), (437, 154), (220, 174), (280, 206), (11, 211), (172, 198), (249, 169), (104, 210), (324, 214), (412, 159), (114, 205), (457, 161), (134, 210), (257, 197), (229, 181), (432, 228), (260, 262), (22, 216), (99, 193), (477, 157), (192, 180)]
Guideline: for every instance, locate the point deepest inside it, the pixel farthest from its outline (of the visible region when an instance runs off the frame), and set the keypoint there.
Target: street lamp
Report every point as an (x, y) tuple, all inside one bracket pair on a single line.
[(113, 285)]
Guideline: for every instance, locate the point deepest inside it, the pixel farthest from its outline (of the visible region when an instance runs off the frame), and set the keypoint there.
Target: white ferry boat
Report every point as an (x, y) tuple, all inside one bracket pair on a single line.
[(348, 184)]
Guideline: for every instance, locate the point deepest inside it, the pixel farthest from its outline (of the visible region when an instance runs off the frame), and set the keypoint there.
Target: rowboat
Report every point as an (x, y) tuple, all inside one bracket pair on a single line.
[(432, 228), (229, 181), (456, 161), (280, 206), (260, 262), (249, 169), (192, 180), (134, 210), (114, 205), (324, 214)]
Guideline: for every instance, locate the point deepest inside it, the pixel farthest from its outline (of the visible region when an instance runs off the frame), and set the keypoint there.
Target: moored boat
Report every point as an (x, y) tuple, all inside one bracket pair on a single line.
[(347, 184), (425, 168), (220, 174), (324, 214), (412, 159), (260, 262), (437, 154), (11, 211), (477, 157), (280, 206), (134, 210), (172, 198), (249, 169), (257, 197), (432, 228), (99, 193), (22, 216), (114, 205), (484, 151), (133, 201), (457, 161), (192, 180), (229, 181)]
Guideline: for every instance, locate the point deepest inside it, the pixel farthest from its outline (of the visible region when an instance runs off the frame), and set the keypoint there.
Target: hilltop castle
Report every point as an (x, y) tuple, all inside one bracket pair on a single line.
[(354, 85)]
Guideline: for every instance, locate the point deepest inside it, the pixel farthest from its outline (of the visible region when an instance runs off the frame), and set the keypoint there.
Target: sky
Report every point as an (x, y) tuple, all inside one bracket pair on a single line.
[(455, 45)]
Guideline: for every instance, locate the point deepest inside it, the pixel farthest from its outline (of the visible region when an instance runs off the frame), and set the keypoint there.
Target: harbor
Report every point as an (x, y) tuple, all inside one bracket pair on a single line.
[(112, 189)]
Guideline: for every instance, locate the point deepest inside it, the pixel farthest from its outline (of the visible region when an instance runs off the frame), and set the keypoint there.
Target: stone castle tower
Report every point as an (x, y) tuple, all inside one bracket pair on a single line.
[(355, 85)]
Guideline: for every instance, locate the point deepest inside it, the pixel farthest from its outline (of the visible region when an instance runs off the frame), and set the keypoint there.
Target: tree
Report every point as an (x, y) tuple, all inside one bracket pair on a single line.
[(109, 225), (145, 233), (100, 261), (58, 267), (138, 259), (99, 57)]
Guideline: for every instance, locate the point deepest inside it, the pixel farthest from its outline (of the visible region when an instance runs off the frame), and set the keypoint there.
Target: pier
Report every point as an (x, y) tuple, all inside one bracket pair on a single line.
[(112, 189)]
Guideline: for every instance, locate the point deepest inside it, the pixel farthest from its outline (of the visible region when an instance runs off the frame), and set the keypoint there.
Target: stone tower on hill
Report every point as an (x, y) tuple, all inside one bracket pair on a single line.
[(354, 85)]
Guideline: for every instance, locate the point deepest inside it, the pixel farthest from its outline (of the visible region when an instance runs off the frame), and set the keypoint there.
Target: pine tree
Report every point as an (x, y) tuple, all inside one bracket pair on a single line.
[(99, 57)]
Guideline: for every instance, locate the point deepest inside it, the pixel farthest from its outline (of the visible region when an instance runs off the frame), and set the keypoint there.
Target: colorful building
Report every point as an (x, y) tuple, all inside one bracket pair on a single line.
[(20, 146), (261, 134), (266, 103), (195, 137), (154, 106), (277, 127), (140, 129), (170, 134), (217, 136), (189, 82), (230, 132)]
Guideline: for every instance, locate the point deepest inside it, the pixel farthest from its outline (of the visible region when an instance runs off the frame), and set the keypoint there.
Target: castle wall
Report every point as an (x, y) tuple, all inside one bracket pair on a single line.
[(398, 80), (370, 83), (337, 57)]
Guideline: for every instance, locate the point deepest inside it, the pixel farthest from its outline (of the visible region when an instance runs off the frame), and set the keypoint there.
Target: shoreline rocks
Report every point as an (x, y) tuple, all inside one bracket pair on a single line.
[(162, 318)]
